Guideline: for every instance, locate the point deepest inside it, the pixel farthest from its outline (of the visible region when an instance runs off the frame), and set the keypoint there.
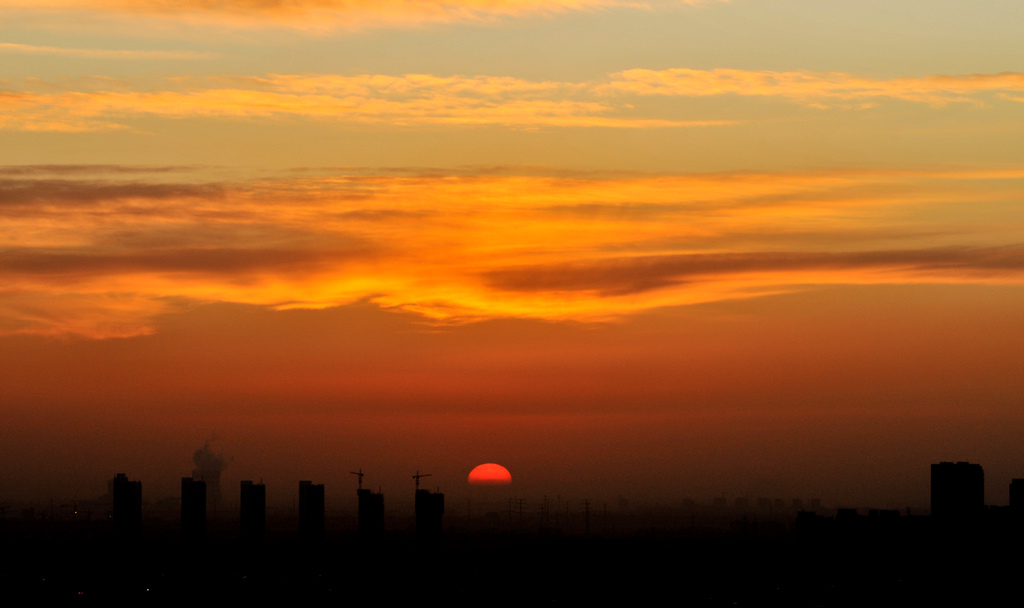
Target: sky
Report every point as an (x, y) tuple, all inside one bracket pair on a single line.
[(657, 249)]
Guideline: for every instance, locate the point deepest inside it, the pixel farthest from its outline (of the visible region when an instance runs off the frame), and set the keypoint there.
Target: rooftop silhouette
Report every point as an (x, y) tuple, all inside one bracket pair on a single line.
[(311, 511), (958, 490), (193, 508), (253, 511)]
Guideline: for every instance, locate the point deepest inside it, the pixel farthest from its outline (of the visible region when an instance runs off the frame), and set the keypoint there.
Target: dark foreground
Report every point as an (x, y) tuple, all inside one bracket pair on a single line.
[(856, 567)]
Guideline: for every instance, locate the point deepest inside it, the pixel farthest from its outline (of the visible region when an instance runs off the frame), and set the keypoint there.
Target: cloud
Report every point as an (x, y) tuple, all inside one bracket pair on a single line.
[(102, 53), (98, 316), (811, 87), (31, 192), (639, 274), (412, 99), (327, 14), (425, 99), (106, 257), (87, 169), (220, 260)]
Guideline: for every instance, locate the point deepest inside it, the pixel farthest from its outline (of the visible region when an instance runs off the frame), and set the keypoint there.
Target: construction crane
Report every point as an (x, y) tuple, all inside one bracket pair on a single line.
[(360, 475), (417, 478)]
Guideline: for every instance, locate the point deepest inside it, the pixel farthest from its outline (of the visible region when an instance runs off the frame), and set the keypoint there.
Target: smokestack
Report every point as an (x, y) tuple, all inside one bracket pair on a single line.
[(209, 465)]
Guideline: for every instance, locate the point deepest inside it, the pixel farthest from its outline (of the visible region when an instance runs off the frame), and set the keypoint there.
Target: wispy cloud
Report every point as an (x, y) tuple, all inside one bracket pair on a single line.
[(636, 275), (104, 257), (30, 193), (27, 170), (811, 87), (330, 14), (11, 47), (396, 100), (417, 99)]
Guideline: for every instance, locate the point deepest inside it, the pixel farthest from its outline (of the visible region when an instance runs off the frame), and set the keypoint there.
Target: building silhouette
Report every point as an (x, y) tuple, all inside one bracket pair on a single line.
[(958, 491), (1017, 499), (127, 508), (371, 512), (311, 511), (253, 515), (193, 508), (429, 510)]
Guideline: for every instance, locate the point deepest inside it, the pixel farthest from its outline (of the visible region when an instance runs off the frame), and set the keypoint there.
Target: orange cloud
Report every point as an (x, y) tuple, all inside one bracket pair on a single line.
[(103, 256), (101, 53), (811, 87), (395, 100), (414, 99)]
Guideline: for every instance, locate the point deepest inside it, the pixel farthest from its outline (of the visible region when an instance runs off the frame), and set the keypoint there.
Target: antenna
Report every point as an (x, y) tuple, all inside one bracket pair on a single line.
[(360, 474), (417, 478)]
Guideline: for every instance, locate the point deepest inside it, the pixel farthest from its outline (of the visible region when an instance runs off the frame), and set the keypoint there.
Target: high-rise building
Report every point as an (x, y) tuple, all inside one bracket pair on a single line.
[(371, 512), (127, 508), (1017, 497), (958, 490), (429, 510), (253, 516), (193, 508), (311, 511)]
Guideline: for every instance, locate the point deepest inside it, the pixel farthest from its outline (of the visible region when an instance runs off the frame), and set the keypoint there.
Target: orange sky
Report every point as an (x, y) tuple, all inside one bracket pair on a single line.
[(798, 395), (659, 249)]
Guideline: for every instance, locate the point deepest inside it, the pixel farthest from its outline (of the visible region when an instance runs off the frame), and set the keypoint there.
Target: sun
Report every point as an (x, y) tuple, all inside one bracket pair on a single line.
[(490, 474)]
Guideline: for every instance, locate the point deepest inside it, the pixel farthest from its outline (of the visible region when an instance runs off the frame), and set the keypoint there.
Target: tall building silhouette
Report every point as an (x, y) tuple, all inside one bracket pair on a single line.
[(958, 490), (193, 508), (127, 508), (1017, 497), (371, 512), (429, 510), (311, 511), (253, 516)]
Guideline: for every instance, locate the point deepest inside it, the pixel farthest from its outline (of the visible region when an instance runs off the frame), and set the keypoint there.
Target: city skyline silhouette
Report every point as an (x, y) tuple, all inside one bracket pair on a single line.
[(702, 554)]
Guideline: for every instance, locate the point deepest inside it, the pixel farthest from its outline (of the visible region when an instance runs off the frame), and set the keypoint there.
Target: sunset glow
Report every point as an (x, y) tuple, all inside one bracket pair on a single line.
[(748, 247), (472, 247)]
